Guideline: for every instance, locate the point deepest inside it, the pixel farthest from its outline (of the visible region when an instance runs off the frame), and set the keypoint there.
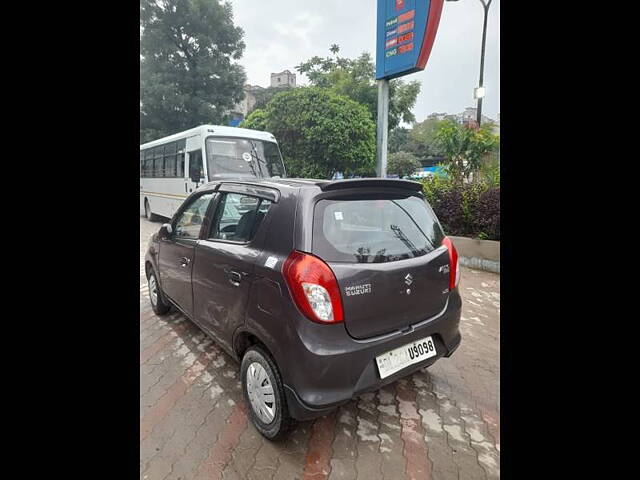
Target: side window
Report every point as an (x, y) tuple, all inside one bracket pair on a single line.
[(141, 163), (180, 166), (158, 161), (238, 217), (170, 160), (148, 163), (190, 221)]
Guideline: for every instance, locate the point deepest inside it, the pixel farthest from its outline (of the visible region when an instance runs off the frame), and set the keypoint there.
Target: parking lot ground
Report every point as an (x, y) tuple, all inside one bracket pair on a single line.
[(442, 422)]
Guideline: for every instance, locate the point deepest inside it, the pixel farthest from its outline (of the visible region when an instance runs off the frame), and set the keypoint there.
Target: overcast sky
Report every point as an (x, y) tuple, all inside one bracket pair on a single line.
[(282, 33)]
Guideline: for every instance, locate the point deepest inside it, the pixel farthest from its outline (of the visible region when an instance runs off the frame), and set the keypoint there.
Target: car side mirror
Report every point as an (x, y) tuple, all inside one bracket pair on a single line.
[(165, 230)]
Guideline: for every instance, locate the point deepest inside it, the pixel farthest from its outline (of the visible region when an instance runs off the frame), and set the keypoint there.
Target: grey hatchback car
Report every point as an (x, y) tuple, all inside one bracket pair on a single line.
[(323, 290)]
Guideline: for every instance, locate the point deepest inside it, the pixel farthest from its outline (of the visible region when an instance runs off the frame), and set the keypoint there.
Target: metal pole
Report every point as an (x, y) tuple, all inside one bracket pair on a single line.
[(383, 128), (484, 39)]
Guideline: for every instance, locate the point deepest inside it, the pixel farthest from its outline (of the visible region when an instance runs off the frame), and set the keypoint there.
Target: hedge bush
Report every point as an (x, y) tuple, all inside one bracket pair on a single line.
[(486, 214), (471, 210)]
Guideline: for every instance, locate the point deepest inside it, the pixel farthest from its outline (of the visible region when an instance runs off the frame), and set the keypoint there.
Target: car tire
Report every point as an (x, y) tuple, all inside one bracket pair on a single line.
[(257, 360), (156, 297), (149, 215)]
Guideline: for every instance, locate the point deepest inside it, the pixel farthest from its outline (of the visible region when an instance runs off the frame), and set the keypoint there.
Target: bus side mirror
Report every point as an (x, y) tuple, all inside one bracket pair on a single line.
[(165, 231), (195, 175)]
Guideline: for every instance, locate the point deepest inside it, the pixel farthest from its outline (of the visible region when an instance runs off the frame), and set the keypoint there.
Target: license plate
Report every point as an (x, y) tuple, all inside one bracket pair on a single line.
[(401, 357)]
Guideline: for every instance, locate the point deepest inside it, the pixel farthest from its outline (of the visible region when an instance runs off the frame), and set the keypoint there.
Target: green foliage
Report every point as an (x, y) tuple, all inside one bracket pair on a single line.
[(355, 78), (464, 147), (471, 209), (432, 186), (264, 96), (424, 136), (490, 171), (399, 140), (403, 164), (187, 73), (257, 120), (319, 132), (419, 140)]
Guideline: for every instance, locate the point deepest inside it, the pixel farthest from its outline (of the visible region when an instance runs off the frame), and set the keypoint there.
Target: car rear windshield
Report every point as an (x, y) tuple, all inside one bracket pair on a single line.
[(374, 231)]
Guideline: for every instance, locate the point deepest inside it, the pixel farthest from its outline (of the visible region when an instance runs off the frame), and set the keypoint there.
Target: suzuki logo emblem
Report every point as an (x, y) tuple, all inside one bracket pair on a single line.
[(408, 279)]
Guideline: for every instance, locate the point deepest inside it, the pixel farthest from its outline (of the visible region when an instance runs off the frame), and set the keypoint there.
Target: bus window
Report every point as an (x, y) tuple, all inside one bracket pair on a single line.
[(158, 162), (180, 166), (148, 163), (170, 160)]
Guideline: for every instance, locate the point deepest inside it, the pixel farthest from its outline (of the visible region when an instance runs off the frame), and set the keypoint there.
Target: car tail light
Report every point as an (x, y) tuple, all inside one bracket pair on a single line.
[(454, 267), (314, 287)]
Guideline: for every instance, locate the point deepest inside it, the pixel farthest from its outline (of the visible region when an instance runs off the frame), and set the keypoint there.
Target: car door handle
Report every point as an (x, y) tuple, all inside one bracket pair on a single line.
[(234, 277), (184, 261)]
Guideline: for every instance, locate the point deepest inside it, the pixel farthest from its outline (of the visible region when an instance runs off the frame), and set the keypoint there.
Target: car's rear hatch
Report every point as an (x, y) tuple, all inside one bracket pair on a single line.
[(385, 248)]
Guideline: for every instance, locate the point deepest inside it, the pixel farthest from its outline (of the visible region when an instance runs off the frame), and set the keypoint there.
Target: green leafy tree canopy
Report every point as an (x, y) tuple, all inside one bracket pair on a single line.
[(424, 134), (403, 164), (265, 95), (464, 147), (355, 78), (320, 133), (188, 75)]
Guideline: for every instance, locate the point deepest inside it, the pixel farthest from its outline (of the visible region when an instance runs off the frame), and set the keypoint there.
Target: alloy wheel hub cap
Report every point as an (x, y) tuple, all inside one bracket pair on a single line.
[(260, 392), (153, 289)]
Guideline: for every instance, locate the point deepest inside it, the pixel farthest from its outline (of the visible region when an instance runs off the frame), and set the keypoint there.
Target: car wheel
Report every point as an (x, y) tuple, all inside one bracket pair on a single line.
[(264, 394), (158, 303), (147, 212)]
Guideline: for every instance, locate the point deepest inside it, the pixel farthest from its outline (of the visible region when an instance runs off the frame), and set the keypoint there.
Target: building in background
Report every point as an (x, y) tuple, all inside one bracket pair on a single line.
[(283, 79), (245, 106), (438, 116), (469, 116)]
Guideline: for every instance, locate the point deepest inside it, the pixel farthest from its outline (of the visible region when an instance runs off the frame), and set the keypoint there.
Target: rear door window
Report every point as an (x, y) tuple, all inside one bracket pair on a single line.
[(374, 230), (238, 217)]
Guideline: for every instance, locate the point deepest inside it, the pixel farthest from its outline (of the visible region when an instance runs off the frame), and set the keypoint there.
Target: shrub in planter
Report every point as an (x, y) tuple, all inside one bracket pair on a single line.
[(485, 215), (448, 207), (470, 210)]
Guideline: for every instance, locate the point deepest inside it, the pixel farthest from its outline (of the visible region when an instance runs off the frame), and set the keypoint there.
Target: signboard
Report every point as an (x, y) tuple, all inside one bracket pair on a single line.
[(405, 34)]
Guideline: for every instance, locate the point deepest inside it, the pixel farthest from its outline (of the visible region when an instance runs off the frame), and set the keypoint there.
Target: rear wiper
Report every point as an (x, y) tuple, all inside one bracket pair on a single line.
[(415, 223)]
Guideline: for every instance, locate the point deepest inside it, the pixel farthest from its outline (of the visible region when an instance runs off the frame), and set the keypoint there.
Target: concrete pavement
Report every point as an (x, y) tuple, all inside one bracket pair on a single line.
[(440, 423)]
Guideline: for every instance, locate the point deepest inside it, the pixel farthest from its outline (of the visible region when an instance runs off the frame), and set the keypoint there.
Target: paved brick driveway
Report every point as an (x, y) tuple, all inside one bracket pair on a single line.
[(440, 423)]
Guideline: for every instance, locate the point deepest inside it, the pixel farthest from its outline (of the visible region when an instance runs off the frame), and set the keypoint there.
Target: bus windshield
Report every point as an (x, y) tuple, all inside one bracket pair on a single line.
[(229, 157)]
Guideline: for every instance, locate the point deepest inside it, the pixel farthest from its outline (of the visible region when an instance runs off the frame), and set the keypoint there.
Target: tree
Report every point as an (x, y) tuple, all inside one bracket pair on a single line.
[(187, 72), (419, 140), (403, 164), (355, 78), (257, 120), (464, 148), (266, 94), (399, 140), (320, 133), (424, 134)]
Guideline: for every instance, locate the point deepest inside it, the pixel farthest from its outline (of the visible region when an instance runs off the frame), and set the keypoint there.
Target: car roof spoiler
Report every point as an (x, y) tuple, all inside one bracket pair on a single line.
[(370, 182)]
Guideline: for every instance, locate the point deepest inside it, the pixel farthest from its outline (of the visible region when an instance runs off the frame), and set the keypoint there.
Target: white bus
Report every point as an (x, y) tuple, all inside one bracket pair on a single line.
[(173, 167)]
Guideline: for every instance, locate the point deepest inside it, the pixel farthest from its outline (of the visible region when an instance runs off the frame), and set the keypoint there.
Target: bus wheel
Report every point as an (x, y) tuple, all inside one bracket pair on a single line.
[(147, 211)]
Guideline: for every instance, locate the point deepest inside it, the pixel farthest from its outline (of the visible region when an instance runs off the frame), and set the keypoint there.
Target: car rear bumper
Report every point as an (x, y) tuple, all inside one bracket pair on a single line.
[(327, 367)]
